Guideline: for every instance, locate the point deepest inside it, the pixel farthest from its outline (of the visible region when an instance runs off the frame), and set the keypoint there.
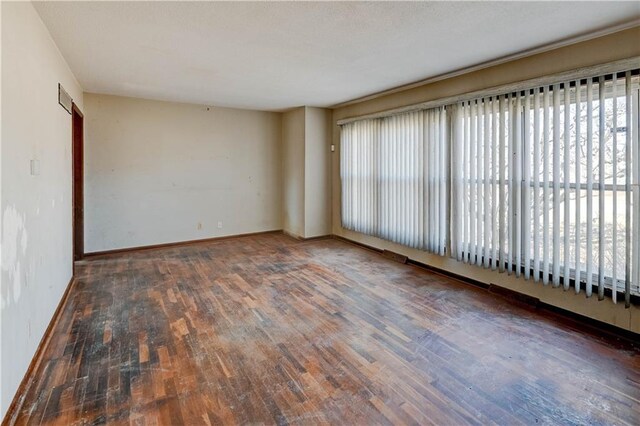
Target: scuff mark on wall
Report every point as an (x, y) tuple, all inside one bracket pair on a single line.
[(14, 245)]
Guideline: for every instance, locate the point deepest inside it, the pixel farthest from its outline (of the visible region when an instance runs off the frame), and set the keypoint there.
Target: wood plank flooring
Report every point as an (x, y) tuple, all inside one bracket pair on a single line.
[(268, 329)]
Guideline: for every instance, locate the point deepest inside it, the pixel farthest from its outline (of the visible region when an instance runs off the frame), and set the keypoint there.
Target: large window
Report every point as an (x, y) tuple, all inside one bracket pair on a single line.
[(545, 186), (544, 182), (394, 178)]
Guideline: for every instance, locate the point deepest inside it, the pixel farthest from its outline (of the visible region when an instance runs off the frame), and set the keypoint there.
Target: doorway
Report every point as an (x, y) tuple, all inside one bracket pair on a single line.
[(77, 124)]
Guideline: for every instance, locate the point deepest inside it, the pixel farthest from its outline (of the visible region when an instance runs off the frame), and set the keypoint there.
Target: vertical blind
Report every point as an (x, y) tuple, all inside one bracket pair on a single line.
[(544, 182), (394, 172)]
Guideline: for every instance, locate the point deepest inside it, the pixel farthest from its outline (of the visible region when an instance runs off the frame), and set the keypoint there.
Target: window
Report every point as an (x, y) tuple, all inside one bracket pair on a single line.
[(546, 183), (541, 182), (394, 178)]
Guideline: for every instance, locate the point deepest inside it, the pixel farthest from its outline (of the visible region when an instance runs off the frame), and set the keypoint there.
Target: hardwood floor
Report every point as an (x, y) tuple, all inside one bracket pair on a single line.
[(268, 329)]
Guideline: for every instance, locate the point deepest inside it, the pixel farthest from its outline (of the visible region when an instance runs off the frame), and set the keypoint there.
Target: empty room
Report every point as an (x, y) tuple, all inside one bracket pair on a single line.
[(349, 213)]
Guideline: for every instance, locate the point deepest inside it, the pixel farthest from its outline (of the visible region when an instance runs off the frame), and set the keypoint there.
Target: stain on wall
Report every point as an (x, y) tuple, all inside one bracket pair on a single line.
[(14, 249), (35, 208)]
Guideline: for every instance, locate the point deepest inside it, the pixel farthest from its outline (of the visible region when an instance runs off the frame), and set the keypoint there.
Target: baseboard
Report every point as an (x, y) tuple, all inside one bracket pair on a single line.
[(594, 326), (28, 379), (177, 243), (579, 321), (448, 274)]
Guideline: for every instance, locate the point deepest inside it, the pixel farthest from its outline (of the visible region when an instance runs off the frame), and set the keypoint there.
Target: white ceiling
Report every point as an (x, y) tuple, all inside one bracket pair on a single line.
[(274, 56)]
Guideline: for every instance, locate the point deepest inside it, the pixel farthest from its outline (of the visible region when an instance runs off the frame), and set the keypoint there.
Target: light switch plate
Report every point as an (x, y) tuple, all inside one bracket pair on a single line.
[(34, 166)]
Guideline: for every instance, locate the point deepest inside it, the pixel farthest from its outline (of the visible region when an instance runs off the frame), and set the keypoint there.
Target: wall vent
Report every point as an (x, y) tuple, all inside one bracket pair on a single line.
[(64, 99)]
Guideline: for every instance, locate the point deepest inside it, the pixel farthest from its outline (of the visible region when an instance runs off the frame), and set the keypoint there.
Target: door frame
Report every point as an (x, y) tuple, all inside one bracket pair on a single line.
[(77, 197)]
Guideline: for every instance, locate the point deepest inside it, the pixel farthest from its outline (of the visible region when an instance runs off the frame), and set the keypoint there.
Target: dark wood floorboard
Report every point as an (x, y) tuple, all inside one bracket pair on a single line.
[(268, 329)]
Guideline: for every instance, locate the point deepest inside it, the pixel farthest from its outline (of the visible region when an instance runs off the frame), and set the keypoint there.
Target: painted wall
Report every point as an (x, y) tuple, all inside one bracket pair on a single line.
[(161, 172), (293, 152), (317, 164), (609, 48), (306, 162), (36, 210)]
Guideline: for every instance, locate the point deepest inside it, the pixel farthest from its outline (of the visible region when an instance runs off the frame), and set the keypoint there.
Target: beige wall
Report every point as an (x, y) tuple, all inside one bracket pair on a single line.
[(36, 210), (160, 172), (306, 141), (621, 45), (317, 164), (293, 153)]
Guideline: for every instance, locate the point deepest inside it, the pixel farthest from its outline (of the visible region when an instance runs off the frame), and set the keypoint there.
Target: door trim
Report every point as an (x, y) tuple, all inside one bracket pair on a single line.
[(77, 143)]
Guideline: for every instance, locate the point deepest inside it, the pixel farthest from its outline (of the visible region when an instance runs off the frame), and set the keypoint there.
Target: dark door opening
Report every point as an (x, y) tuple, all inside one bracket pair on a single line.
[(77, 124)]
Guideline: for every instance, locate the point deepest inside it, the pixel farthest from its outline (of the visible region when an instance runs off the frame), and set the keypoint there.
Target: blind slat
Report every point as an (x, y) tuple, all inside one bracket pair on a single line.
[(578, 178), (486, 143), (478, 184), (510, 195), (536, 188), (526, 217), (472, 192), (465, 182), (589, 171), (545, 203), (566, 179), (502, 194), (444, 160), (614, 172), (627, 280), (556, 186), (495, 187), (635, 176), (601, 170), (517, 182)]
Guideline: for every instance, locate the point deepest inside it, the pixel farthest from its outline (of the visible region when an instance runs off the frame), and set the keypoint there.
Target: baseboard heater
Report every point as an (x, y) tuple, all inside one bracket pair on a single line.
[(396, 257), (514, 295)]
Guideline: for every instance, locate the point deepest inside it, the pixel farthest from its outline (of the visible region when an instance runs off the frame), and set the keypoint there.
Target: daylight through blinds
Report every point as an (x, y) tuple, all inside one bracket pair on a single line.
[(394, 174), (541, 183), (545, 183)]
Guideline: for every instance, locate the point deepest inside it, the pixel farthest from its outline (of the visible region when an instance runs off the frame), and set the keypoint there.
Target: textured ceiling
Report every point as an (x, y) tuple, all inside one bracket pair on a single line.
[(275, 56)]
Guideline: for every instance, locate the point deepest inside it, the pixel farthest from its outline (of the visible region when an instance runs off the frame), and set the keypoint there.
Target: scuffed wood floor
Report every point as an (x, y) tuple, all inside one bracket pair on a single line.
[(267, 329)]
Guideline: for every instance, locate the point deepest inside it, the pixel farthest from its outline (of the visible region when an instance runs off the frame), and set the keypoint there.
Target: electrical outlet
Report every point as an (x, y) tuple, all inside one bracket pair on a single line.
[(219, 224)]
